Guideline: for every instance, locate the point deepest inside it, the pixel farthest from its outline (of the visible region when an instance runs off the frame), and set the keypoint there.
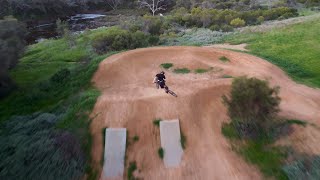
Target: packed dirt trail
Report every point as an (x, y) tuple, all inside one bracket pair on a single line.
[(129, 99)]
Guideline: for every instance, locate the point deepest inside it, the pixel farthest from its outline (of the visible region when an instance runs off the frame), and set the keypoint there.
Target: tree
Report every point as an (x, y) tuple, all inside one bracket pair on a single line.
[(114, 3), (63, 30), (153, 5), (12, 45), (4, 4), (252, 105)]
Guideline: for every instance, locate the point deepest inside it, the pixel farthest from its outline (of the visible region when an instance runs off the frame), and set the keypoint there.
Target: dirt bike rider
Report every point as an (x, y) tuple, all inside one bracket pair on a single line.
[(160, 80)]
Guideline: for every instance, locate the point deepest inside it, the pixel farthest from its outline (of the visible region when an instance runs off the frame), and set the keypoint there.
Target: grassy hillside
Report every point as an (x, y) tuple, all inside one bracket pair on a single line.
[(50, 108), (294, 48)]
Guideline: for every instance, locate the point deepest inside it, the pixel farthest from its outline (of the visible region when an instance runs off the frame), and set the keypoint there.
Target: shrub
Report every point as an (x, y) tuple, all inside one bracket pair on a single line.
[(139, 39), (268, 158), (214, 27), (153, 40), (166, 65), (181, 70), (237, 22), (199, 71), (226, 28), (252, 105), (132, 167), (132, 24), (298, 122), (12, 45), (226, 76), (121, 41), (183, 140), (6, 84), (102, 41), (161, 152), (260, 19), (31, 148), (135, 138), (224, 59), (307, 168), (116, 39), (156, 122), (229, 131), (153, 24), (202, 36)]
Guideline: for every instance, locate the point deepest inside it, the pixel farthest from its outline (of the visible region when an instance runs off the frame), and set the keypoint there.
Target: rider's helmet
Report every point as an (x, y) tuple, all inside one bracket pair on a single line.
[(162, 72)]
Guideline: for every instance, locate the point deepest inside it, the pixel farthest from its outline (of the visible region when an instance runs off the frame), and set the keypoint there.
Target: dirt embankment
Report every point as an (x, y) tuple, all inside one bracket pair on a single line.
[(129, 99)]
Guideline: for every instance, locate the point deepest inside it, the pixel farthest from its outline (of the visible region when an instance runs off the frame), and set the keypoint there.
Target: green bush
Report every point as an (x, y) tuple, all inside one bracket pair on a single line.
[(161, 152), (224, 59), (200, 71), (260, 19), (132, 167), (252, 106), (139, 39), (12, 42), (116, 39), (237, 22), (296, 121), (12, 45), (153, 24), (229, 131), (156, 122), (181, 70), (226, 28), (226, 76), (269, 159), (31, 148), (214, 27), (307, 168), (135, 138), (183, 140), (153, 40), (166, 65), (121, 41)]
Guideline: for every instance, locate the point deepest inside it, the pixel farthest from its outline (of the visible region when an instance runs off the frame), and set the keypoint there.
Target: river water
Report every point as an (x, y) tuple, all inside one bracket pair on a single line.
[(78, 22)]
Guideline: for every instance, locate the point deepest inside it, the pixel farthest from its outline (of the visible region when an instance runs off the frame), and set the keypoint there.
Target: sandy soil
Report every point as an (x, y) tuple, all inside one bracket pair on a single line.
[(129, 99)]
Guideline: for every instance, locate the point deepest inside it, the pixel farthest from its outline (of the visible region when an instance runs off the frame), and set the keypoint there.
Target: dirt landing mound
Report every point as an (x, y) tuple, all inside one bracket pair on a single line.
[(129, 99)]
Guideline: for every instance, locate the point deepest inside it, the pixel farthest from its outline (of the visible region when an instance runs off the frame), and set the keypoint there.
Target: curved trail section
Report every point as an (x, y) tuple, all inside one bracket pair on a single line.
[(129, 99)]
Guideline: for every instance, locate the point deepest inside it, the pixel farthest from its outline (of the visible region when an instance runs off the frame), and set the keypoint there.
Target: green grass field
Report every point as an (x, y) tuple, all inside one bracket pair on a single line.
[(295, 49)]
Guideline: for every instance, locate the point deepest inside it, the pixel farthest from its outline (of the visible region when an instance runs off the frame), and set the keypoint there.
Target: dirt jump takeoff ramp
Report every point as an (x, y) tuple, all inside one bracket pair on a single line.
[(170, 142), (114, 152)]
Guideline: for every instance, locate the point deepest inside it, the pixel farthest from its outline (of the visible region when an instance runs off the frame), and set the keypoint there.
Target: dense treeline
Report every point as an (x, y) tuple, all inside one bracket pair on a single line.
[(216, 19), (26, 9), (48, 8)]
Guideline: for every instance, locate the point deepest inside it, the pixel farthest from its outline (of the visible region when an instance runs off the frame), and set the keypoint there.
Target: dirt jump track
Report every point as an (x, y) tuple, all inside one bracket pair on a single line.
[(129, 99)]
